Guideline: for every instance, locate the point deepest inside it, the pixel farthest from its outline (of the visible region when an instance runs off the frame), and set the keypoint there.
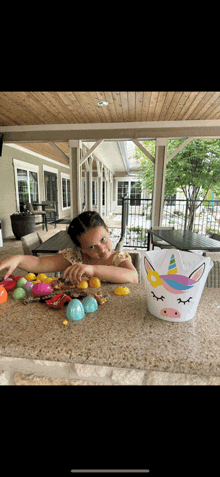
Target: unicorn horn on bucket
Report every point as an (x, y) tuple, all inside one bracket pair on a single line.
[(172, 266)]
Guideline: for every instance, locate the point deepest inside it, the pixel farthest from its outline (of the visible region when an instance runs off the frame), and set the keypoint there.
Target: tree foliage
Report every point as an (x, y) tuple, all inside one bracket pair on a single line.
[(195, 170)]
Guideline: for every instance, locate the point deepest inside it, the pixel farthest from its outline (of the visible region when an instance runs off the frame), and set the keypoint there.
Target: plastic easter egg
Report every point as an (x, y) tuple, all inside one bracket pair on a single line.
[(75, 310), (47, 280), (90, 304), (21, 282), (30, 276), (28, 287), (82, 284), (41, 289), (3, 294), (19, 293), (35, 281), (121, 291), (41, 276), (94, 282)]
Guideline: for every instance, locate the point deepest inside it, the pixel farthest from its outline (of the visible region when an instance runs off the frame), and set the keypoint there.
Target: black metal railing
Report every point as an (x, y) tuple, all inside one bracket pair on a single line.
[(201, 217)]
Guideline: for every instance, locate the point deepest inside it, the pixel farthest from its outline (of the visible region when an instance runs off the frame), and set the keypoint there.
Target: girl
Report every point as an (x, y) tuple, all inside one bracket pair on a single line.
[(91, 256)]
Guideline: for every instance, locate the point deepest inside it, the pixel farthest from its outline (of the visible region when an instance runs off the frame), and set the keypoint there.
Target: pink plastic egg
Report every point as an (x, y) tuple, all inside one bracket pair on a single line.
[(41, 289)]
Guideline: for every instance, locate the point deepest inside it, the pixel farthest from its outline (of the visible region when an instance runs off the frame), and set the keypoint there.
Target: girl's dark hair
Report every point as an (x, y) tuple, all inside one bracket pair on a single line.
[(85, 221)]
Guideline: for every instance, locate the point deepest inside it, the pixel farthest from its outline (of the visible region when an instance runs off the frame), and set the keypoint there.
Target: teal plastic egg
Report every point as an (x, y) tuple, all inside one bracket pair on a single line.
[(90, 304), (28, 287), (19, 293), (75, 310), (21, 282)]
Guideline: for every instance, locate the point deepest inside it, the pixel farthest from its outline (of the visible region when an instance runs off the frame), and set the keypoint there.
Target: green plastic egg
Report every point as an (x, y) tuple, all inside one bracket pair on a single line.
[(21, 282), (19, 293)]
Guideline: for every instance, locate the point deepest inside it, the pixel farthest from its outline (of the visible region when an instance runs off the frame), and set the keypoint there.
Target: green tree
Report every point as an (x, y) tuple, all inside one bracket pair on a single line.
[(195, 170)]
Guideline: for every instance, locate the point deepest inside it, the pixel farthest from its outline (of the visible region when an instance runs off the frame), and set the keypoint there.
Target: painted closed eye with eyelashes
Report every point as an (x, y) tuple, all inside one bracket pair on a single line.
[(184, 302), (157, 297)]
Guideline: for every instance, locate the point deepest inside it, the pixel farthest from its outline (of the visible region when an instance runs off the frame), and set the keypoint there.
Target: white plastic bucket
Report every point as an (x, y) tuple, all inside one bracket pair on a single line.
[(174, 282)]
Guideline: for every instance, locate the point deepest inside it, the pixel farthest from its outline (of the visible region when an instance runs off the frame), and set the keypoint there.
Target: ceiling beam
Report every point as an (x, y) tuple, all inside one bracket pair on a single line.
[(90, 151), (178, 149), (61, 153), (122, 131), (142, 148)]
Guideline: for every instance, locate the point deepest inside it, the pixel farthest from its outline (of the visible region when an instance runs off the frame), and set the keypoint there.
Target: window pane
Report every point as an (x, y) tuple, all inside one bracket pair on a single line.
[(68, 192), (22, 187), (33, 187), (64, 192), (122, 190)]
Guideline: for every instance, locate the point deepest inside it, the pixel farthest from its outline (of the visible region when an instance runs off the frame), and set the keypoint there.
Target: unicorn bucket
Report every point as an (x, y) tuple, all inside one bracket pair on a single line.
[(174, 282)]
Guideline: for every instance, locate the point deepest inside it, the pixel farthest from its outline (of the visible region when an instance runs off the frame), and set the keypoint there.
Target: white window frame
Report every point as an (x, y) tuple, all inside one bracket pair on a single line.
[(29, 168), (65, 176)]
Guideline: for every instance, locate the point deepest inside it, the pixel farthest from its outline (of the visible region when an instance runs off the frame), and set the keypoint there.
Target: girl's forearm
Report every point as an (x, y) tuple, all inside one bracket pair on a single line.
[(115, 274)]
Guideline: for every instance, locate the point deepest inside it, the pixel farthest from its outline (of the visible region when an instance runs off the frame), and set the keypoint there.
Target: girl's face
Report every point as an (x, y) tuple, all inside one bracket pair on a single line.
[(96, 243)]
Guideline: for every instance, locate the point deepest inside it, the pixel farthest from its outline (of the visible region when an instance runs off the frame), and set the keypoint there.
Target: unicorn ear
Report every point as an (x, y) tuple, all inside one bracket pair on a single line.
[(197, 273), (148, 265)]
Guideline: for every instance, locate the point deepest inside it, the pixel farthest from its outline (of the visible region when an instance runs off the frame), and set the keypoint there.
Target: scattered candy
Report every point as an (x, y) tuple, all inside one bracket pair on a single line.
[(65, 322), (21, 282), (82, 284), (121, 290), (75, 310), (30, 276), (3, 295), (58, 300), (41, 289), (94, 282), (90, 304), (19, 293)]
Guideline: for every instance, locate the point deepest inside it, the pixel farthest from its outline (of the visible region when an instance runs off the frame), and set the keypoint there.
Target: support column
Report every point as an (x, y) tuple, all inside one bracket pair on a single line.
[(100, 176), (90, 161), (159, 181), (75, 148)]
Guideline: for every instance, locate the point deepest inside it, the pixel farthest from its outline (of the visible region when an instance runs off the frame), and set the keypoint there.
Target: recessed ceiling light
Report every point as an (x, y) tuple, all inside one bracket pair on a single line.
[(102, 103)]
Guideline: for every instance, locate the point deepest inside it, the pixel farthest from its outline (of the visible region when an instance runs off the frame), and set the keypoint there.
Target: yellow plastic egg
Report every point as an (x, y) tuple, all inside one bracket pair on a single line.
[(94, 282), (82, 284), (41, 276), (35, 281), (30, 276), (121, 291), (47, 280)]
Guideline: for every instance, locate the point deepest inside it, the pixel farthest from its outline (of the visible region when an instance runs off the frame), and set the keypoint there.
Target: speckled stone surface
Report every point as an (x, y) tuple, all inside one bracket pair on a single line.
[(121, 333)]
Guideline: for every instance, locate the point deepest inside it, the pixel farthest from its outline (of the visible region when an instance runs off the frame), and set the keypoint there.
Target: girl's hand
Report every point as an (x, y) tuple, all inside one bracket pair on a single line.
[(77, 271), (10, 263)]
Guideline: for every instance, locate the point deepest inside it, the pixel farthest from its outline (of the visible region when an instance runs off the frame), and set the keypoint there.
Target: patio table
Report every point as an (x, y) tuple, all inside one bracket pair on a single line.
[(55, 243), (186, 240)]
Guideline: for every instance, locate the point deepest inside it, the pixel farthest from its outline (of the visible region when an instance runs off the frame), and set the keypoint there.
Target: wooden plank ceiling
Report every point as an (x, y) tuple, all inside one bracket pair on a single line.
[(73, 107)]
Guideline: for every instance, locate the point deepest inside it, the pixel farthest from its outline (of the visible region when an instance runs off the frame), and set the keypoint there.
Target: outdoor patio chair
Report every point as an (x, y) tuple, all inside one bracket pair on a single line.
[(38, 212), (156, 241), (50, 206), (31, 241)]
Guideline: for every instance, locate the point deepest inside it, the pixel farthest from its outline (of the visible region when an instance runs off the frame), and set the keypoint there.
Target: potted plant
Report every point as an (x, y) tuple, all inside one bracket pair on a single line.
[(22, 223)]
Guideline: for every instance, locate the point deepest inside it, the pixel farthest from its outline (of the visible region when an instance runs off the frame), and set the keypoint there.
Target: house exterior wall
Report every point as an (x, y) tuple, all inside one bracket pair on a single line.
[(8, 202)]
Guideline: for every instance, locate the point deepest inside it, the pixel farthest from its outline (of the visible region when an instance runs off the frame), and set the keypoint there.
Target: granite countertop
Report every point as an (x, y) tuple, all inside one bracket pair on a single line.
[(121, 333)]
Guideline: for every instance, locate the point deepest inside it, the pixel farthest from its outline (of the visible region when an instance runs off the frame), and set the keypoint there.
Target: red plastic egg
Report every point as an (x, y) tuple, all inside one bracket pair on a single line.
[(42, 289)]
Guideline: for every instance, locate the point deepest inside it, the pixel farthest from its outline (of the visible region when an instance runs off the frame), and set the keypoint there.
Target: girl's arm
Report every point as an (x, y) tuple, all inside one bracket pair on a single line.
[(125, 272), (53, 263)]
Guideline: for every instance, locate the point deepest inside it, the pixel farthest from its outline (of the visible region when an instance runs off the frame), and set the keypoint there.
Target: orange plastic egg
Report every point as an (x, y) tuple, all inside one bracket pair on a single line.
[(94, 282), (3, 295)]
